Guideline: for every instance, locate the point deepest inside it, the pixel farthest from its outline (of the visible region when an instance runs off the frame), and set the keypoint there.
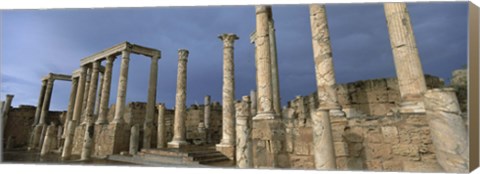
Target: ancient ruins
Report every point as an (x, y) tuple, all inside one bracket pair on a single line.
[(409, 123)]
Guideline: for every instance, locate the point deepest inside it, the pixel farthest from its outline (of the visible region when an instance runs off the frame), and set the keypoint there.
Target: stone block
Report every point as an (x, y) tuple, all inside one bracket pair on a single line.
[(393, 165), (375, 165), (341, 149), (378, 151), (374, 137), (302, 162), (355, 164), (407, 150), (412, 166), (390, 134), (355, 149), (342, 163)]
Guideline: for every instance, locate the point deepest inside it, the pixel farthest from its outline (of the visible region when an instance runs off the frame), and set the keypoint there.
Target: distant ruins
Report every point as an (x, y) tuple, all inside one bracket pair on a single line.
[(408, 123)]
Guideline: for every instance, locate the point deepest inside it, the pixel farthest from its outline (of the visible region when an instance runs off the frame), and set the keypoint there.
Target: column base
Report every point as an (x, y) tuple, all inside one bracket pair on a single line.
[(177, 144), (264, 116), (226, 149), (412, 107)]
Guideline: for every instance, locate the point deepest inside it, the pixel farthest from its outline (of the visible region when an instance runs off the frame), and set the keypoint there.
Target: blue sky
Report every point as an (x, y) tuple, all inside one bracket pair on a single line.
[(36, 42)]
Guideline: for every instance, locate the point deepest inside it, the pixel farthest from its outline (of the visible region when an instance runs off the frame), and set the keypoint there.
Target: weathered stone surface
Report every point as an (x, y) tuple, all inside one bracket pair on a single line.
[(48, 142), (244, 153), (180, 100), (105, 93), (161, 128), (134, 139), (150, 110), (122, 88), (323, 149)]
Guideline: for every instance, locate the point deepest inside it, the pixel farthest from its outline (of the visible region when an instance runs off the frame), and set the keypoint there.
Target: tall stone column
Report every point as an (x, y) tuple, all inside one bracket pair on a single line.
[(161, 129), (323, 149), (448, 130), (71, 104), (8, 104), (263, 62), (77, 110), (244, 153), (206, 118), (179, 132), (38, 110), (46, 102), (253, 105), (85, 94), (99, 95), (152, 95), (274, 65), (322, 53), (107, 82), (228, 95), (89, 122), (122, 88), (411, 80)]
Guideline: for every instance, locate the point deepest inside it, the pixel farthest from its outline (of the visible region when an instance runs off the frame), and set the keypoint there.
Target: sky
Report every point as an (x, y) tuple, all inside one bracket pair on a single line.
[(37, 42)]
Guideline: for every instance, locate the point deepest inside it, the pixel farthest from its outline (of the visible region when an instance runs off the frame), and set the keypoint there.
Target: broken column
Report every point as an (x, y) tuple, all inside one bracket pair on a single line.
[(161, 129), (49, 137), (77, 110), (134, 139), (253, 105), (206, 118), (105, 96), (448, 130), (322, 53), (8, 105), (244, 153), (411, 80), (227, 143), (89, 122), (152, 94), (179, 132)]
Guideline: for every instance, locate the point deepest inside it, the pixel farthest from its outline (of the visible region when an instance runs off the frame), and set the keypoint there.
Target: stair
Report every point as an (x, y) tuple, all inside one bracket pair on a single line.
[(199, 156)]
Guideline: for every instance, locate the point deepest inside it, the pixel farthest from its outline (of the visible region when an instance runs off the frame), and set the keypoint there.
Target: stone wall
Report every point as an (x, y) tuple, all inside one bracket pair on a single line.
[(371, 137), (19, 124)]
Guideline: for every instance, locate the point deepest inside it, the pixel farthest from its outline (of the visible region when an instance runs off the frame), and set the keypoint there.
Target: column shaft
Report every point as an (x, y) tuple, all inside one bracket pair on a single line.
[(263, 63), (244, 151), (134, 139), (206, 118), (253, 105), (85, 94), (46, 101), (49, 136), (89, 130), (274, 65), (161, 129), (228, 94), (179, 132), (323, 150), (150, 110), (8, 104), (99, 95), (105, 96), (411, 80), (322, 53), (71, 104), (38, 110), (77, 110), (122, 88)]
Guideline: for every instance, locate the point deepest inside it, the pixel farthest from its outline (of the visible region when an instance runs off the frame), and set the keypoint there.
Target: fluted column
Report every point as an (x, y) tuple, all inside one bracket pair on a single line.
[(77, 110), (38, 110), (263, 62), (161, 129), (105, 97), (274, 65), (448, 130), (244, 151), (228, 94), (411, 80), (89, 130), (322, 53), (152, 95), (179, 132), (71, 104), (46, 102), (122, 88)]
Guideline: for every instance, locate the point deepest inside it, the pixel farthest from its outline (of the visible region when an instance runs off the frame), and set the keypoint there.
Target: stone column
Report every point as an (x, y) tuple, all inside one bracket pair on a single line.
[(253, 105), (85, 94), (228, 94), (323, 149), (448, 131), (244, 153), (134, 139), (71, 104), (206, 119), (322, 53), (152, 95), (49, 136), (274, 65), (107, 82), (161, 129), (411, 80), (38, 110), (77, 110), (99, 95), (179, 132), (89, 122), (263, 63), (46, 102), (122, 88), (8, 105)]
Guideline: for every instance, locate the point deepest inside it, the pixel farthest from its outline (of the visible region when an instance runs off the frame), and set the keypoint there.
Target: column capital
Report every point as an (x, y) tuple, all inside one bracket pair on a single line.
[(96, 65), (110, 58), (183, 54), (126, 54), (9, 96), (161, 105), (262, 9), (228, 39)]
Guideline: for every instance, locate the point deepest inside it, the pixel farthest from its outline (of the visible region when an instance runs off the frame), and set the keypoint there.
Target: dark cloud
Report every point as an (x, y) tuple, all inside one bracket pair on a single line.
[(36, 42)]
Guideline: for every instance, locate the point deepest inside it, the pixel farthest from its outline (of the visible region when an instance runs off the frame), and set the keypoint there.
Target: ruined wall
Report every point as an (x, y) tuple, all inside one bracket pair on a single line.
[(19, 124), (368, 138), (459, 83)]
